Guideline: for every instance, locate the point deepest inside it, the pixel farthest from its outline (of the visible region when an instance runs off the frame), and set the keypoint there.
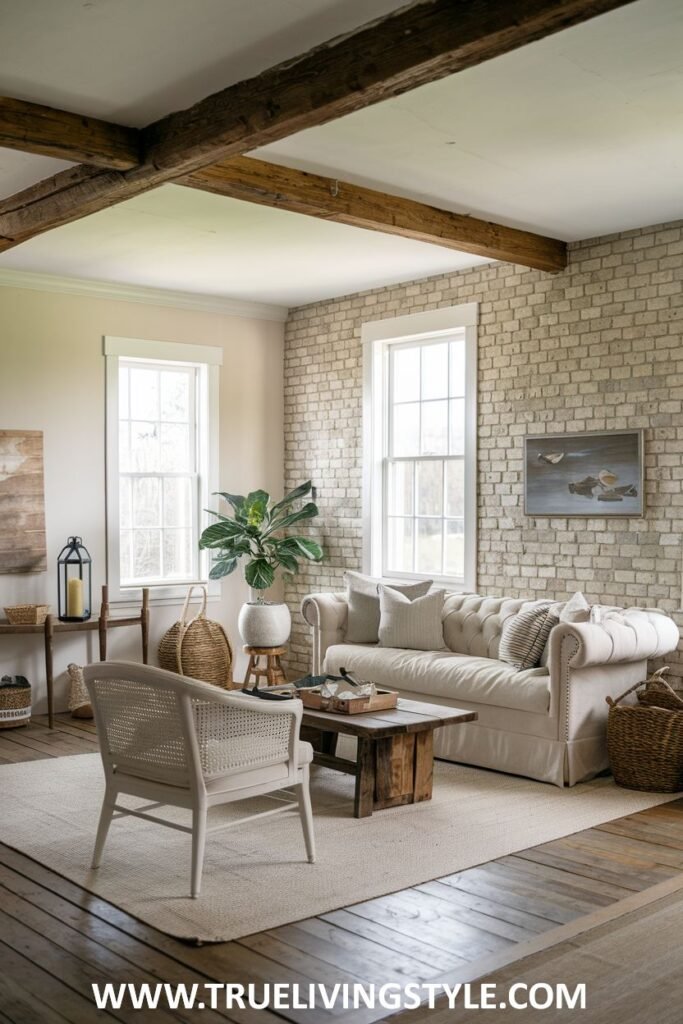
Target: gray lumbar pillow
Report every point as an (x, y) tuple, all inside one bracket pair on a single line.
[(525, 635), (416, 625), (363, 599)]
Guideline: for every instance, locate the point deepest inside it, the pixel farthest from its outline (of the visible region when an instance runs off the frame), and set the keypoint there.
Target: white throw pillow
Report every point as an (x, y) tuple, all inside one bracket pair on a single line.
[(362, 595), (577, 609), (416, 625), (525, 635)]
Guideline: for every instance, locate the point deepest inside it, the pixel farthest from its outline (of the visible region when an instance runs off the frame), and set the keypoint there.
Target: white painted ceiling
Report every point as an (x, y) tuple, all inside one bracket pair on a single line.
[(578, 135)]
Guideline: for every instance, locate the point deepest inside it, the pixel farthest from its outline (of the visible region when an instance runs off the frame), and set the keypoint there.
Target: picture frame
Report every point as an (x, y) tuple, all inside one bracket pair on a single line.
[(590, 474)]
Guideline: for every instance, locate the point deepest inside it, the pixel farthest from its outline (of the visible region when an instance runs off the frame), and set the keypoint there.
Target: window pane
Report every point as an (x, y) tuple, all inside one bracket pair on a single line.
[(144, 444), (125, 500), (406, 429), (123, 393), (457, 427), (406, 370), (400, 545), (124, 447), (435, 371), (146, 510), (146, 554), (430, 488), (434, 428), (175, 396), (126, 555), (455, 547), (144, 394), (177, 501), (457, 370), (455, 487), (175, 448), (177, 553), (400, 496), (429, 545)]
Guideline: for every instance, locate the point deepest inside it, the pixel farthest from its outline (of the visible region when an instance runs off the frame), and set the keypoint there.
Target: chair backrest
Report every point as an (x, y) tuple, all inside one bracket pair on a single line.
[(141, 726), (167, 728)]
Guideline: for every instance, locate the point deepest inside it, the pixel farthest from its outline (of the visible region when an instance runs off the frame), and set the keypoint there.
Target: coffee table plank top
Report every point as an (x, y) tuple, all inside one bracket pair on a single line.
[(408, 717)]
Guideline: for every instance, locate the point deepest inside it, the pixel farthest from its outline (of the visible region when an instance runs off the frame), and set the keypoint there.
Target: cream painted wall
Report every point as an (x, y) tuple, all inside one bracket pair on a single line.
[(52, 379)]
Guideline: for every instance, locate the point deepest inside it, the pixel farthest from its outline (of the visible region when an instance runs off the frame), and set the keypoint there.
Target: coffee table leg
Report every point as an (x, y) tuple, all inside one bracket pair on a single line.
[(365, 778), (424, 766)]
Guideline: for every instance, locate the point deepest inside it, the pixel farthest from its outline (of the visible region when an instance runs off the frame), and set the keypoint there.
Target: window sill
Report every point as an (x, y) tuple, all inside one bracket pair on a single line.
[(131, 597)]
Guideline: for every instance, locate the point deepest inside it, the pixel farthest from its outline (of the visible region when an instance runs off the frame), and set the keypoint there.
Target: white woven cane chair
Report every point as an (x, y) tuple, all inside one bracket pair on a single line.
[(183, 743)]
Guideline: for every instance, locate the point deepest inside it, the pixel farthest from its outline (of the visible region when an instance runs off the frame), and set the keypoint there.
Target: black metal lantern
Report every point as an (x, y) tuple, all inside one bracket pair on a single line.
[(73, 580)]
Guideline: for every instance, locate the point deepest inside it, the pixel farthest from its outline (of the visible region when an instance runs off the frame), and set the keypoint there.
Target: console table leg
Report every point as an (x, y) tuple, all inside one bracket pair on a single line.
[(144, 620), (49, 633), (365, 778)]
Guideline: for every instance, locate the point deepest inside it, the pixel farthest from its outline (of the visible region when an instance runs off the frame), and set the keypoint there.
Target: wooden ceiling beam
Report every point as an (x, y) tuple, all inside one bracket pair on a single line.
[(84, 140), (401, 51), (256, 181)]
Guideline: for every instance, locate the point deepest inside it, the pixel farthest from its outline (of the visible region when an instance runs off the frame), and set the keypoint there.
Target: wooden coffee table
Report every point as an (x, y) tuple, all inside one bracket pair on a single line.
[(395, 761)]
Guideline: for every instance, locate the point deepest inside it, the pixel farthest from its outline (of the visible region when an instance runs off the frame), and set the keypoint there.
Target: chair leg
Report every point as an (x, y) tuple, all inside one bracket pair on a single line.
[(198, 843), (303, 796), (106, 815)]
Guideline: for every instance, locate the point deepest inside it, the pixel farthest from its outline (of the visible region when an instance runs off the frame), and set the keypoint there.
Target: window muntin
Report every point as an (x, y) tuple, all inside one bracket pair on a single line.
[(424, 458)]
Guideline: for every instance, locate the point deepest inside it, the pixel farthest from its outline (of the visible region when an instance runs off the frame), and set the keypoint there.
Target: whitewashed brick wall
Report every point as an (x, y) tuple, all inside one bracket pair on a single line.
[(598, 346)]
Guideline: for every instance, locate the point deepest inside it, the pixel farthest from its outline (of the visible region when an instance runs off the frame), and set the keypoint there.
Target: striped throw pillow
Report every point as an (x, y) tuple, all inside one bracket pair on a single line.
[(525, 635), (415, 625)]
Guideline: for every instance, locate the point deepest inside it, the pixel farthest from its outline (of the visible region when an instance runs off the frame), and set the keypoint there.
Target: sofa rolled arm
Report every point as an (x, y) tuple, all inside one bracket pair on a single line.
[(327, 615), (635, 634)]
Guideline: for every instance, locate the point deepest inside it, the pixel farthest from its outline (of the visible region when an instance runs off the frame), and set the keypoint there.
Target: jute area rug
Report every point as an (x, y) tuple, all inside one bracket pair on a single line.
[(256, 876)]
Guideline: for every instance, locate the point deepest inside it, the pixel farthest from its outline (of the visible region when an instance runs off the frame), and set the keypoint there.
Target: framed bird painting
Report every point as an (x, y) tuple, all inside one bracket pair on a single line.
[(596, 474)]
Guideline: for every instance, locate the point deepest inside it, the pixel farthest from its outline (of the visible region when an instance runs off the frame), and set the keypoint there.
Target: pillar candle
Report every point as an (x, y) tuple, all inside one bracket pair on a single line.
[(74, 598)]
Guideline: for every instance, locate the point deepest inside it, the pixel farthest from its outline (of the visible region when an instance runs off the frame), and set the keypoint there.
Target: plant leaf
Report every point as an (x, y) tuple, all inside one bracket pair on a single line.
[(221, 534), (222, 568), (299, 492), (236, 500), (286, 558), (309, 511), (303, 546), (255, 508), (259, 574)]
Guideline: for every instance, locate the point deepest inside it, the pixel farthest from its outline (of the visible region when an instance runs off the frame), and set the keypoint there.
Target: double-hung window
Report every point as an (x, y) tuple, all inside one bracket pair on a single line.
[(420, 446), (161, 456)]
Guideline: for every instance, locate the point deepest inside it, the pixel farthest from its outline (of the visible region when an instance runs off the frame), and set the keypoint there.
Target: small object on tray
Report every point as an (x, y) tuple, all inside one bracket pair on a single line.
[(27, 614)]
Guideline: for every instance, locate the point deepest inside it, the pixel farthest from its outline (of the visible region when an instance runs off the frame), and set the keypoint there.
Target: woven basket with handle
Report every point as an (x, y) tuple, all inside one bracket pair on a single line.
[(645, 740), (197, 647)]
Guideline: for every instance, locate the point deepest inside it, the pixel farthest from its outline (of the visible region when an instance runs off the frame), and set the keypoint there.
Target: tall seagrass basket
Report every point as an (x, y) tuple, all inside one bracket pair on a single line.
[(15, 702), (645, 740), (197, 647)]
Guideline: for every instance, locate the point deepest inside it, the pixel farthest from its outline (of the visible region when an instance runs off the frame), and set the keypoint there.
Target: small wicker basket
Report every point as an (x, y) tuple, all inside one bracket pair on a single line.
[(198, 648), (15, 702), (645, 740), (27, 614)]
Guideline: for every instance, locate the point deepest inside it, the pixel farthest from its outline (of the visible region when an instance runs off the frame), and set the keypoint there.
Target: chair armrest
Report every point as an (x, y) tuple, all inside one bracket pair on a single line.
[(327, 615), (636, 634)]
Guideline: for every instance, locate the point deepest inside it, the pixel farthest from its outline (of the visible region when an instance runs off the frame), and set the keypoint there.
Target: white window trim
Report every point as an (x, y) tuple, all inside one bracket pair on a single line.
[(209, 359), (376, 337)]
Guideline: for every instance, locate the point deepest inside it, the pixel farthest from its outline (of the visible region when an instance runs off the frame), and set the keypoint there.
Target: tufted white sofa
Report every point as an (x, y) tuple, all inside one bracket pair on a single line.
[(547, 723)]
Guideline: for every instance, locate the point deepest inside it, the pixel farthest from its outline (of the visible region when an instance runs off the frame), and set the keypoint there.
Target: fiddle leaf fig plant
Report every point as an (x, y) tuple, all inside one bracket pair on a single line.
[(254, 532)]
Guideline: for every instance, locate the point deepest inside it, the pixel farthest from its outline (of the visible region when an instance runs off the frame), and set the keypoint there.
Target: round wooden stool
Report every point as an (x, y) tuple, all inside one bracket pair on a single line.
[(273, 670)]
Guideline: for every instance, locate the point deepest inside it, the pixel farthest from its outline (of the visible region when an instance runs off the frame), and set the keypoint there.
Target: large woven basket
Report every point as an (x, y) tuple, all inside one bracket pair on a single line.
[(15, 702), (197, 647), (645, 740)]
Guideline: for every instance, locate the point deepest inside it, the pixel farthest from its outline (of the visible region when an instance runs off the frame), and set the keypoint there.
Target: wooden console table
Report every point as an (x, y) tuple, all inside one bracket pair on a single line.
[(102, 624)]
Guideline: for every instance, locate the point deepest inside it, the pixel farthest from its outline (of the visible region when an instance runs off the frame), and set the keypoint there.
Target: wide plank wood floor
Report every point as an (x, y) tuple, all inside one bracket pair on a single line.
[(56, 939)]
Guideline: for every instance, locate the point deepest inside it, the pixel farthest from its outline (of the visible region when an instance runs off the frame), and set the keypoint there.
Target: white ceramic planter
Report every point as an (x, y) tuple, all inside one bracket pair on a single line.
[(264, 624)]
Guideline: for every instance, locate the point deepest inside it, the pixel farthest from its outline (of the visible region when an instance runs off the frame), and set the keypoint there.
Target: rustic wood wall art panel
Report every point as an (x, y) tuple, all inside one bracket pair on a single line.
[(22, 502)]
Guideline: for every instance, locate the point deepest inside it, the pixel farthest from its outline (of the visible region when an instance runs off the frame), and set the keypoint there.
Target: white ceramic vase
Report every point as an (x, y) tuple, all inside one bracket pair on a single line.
[(264, 624)]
